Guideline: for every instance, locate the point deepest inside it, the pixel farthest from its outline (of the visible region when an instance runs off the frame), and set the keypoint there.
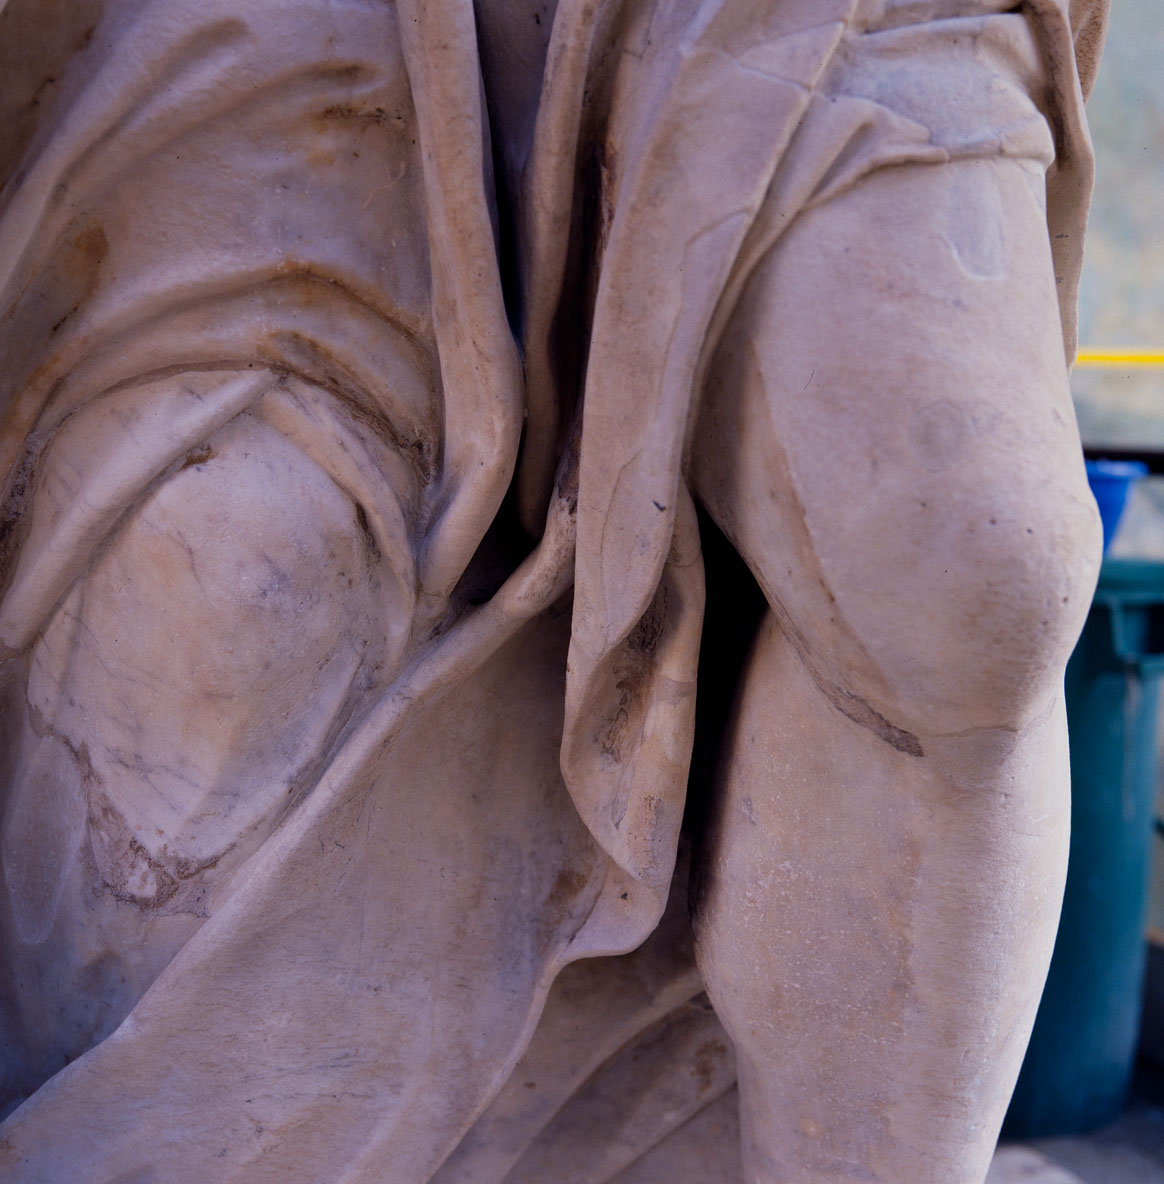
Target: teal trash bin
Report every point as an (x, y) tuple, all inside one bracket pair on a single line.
[(1079, 1063)]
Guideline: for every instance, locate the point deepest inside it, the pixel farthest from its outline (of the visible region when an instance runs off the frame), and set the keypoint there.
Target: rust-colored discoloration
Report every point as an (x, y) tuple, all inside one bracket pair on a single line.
[(355, 120), (370, 545), (567, 886), (597, 199), (128, 871), (349, 112), (709, 1057), (32, 82), (856, 709), (198, 457), (634, 664), (317, 286), (82, 265), (419, 451), (36, 325), (92, 245), (132, 874), (89, 775), (21, 402), (644, 638), (607, 181), (13, 515), (282, 349), (616, 728), (353, 72)]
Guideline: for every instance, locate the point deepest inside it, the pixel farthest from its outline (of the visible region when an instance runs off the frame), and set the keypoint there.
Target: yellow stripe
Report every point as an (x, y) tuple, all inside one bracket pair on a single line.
[(1094, 355)]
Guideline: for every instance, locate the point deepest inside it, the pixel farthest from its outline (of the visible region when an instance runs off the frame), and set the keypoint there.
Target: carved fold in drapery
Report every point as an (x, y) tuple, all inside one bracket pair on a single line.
[(635, 226)]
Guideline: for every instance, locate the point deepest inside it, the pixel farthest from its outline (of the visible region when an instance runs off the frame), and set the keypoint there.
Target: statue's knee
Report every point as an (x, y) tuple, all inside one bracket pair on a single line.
[(970, 625)]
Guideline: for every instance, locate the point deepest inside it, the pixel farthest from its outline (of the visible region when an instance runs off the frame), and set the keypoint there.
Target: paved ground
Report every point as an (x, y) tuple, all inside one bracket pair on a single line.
[(1130, 1151)]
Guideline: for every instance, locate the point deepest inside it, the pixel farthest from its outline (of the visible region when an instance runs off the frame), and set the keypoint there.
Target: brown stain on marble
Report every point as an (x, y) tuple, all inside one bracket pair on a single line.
[(199, 456), (91, 247), (77, 275), (121, 859), (83, 262), (13, 516), (351, 117), (350, 113), (568, 885), (371, 547), (634, 664), (858, 710), (312, 288), (709, 1057)]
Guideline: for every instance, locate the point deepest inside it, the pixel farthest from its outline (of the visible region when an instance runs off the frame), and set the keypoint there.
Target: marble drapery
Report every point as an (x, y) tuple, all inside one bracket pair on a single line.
[(210, 215)]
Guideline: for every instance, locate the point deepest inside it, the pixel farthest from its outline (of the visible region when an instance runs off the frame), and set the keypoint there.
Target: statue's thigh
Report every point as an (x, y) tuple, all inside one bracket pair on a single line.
[(887, 437)]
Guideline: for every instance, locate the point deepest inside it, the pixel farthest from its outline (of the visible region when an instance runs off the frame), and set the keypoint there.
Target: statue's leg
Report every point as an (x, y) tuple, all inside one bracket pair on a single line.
[(889, 441)]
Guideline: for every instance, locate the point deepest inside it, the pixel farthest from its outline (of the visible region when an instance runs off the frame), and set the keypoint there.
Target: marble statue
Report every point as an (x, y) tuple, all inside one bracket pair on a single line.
[(384, 386)]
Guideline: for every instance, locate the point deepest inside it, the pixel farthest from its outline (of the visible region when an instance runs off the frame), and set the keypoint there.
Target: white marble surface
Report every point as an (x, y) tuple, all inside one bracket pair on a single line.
[(361, 369)]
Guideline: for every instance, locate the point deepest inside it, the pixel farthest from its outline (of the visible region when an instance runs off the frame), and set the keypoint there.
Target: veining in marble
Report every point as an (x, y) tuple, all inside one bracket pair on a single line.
[(392, 395)]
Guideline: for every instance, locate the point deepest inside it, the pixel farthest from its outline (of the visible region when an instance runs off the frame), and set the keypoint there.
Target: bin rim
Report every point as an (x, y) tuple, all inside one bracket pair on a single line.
[(1131, 581), (1126, 588)]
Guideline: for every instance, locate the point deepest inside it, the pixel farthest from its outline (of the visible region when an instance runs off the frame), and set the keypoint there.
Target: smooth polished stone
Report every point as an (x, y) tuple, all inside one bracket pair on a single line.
[(385, 391)]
